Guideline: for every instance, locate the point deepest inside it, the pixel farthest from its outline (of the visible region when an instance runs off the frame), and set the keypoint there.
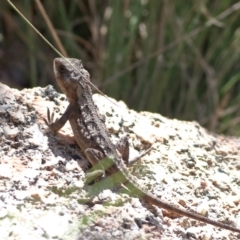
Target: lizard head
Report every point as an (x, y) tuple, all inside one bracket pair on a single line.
[(69, 73)]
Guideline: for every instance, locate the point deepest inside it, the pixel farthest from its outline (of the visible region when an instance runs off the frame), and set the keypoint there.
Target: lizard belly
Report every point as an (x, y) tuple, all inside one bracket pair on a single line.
[(81, 135)]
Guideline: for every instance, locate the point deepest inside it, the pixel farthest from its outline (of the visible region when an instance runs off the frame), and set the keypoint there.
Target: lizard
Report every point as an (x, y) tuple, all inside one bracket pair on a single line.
[(91, 134)]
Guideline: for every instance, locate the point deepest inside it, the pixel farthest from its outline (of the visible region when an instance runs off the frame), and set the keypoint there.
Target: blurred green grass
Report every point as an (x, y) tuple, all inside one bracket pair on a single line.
[(178, 59)]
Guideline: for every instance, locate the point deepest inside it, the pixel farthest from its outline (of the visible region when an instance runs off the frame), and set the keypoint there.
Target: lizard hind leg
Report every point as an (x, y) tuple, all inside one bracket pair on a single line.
[(100, 165), (135, 159), (123, 147), (94, 156)]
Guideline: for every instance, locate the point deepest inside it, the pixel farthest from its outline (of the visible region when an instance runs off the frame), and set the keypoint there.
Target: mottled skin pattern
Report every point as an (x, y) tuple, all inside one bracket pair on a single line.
[(92, 136)]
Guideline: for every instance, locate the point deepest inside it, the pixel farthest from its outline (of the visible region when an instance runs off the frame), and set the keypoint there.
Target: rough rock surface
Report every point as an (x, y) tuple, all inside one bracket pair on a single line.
[(41, 181)]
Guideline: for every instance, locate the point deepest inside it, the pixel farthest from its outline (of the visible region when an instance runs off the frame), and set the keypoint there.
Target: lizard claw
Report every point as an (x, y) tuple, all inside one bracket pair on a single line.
[(49, 119), (50, 122)]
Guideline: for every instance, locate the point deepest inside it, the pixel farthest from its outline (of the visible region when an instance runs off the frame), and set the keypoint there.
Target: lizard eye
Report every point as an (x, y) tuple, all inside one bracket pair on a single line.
[(61, 68)]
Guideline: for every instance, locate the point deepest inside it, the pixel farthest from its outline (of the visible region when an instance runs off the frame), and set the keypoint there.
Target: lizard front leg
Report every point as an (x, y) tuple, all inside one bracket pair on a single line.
[(56, 125)]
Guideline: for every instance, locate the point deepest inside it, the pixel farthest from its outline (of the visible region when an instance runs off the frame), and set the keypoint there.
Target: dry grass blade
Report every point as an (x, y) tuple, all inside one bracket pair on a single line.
[(51, 28)]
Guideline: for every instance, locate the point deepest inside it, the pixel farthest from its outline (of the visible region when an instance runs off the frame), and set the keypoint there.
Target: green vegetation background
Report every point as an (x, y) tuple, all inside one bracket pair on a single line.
[(177, 58)]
